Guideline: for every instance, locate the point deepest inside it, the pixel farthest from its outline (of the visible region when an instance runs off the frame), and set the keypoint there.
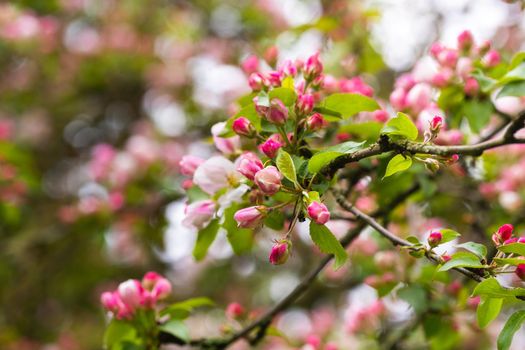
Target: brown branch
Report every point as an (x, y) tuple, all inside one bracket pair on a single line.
[(385, 144)]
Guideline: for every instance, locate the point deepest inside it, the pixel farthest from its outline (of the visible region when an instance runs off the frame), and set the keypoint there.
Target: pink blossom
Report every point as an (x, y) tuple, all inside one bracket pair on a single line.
[(227, 145), (471, 87), (436, 49), (398, 99), (356, 85), (131, 293), (199, 214), (250, 217), (269, 180), (110, 301), (288, 68), (304, 104), (235, 310), (257, 81), (465, 40), (189, 164), (405, 82), (318, 212), (161, 289), (448, 57), (275, 78), (435, 238), (380, 115), (464, 67), (250, 64), (249, 164), (492, 58), (149, 279), (215, 174), (312, 67), (419, 97)]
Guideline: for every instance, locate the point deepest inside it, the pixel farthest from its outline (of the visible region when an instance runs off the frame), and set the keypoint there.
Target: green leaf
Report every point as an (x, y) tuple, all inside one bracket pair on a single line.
[(516, 88), (514, 248), (401, 125), (327, 243), (416, 296), (479, 249), (182, 310), (241, 239), (176, 328), (448, 235), (462, 259), (485, 83), (324, 157), (396, 164), (516, 74), (491, 288), (275, 220), (285, 165), (205, 238), (367, 130), (488, 310), (349, 104), (286, 95), (478, 113), (511, 327), (118, 331), (517, 59), (509, 261), (288, 83)]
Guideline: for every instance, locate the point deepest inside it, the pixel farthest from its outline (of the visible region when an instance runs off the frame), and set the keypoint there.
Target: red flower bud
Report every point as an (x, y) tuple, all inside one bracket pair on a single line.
[(505, 231), (436, 123), (319, 213), (242, 126), (520, 271), (271, 146), (250, 217), (434, 238), (316, 122), (280, 252), (234, 310)]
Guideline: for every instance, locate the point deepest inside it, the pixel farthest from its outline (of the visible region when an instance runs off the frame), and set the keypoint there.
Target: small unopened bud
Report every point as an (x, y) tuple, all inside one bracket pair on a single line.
[(280, 252), (446, 257), (316, 122), (471, 87), (161, 289), (434, 238), (257, 81), (492, 58), (149, 279), (234, 310), (505, 231), (189, 164), (271, 146), (465, 41), (304, 104), (312, 67), (448, 57), (278, 112), (250, 217), (271, 54), (436, 49), (249, 164), (250, 64), (431, 165), (319, 213), (453, 159), (269, 180), (242, 126), (520, 271)]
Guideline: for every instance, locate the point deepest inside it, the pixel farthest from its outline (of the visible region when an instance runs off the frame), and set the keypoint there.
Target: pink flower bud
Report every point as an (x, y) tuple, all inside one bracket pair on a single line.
[(511, 240), (161, 289), (271, 54), (405, 81), (434, 238), (505, 231), (227, 145), (520, 271), (110, 301), (436, 123), (398, 99), (318, 81), (131, 293), (275, 78), (448, 57), (269, 180), (288, 68), (271, 146), (250, 217), (436, 49), (453, 159), (189, 164), (250, 64), (446, 258), (465, 40), (464, 67), (316, 122), (521, 240), (443, 78), (278, 112), (419, 97), (319, 213), (380, 115), (249, 164), (471, 86), (257, 81), (199, 214), (280, 252), (234, 311), (242, 126), (492, 58), (149, 279), (312, 67), (304, 104)]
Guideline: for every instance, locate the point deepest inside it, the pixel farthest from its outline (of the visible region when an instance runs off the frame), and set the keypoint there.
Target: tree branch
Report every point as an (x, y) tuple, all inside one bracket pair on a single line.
[(385, 144)]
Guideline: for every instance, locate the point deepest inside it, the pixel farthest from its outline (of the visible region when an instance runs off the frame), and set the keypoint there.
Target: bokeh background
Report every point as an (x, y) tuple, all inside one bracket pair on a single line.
[(131, 86)]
